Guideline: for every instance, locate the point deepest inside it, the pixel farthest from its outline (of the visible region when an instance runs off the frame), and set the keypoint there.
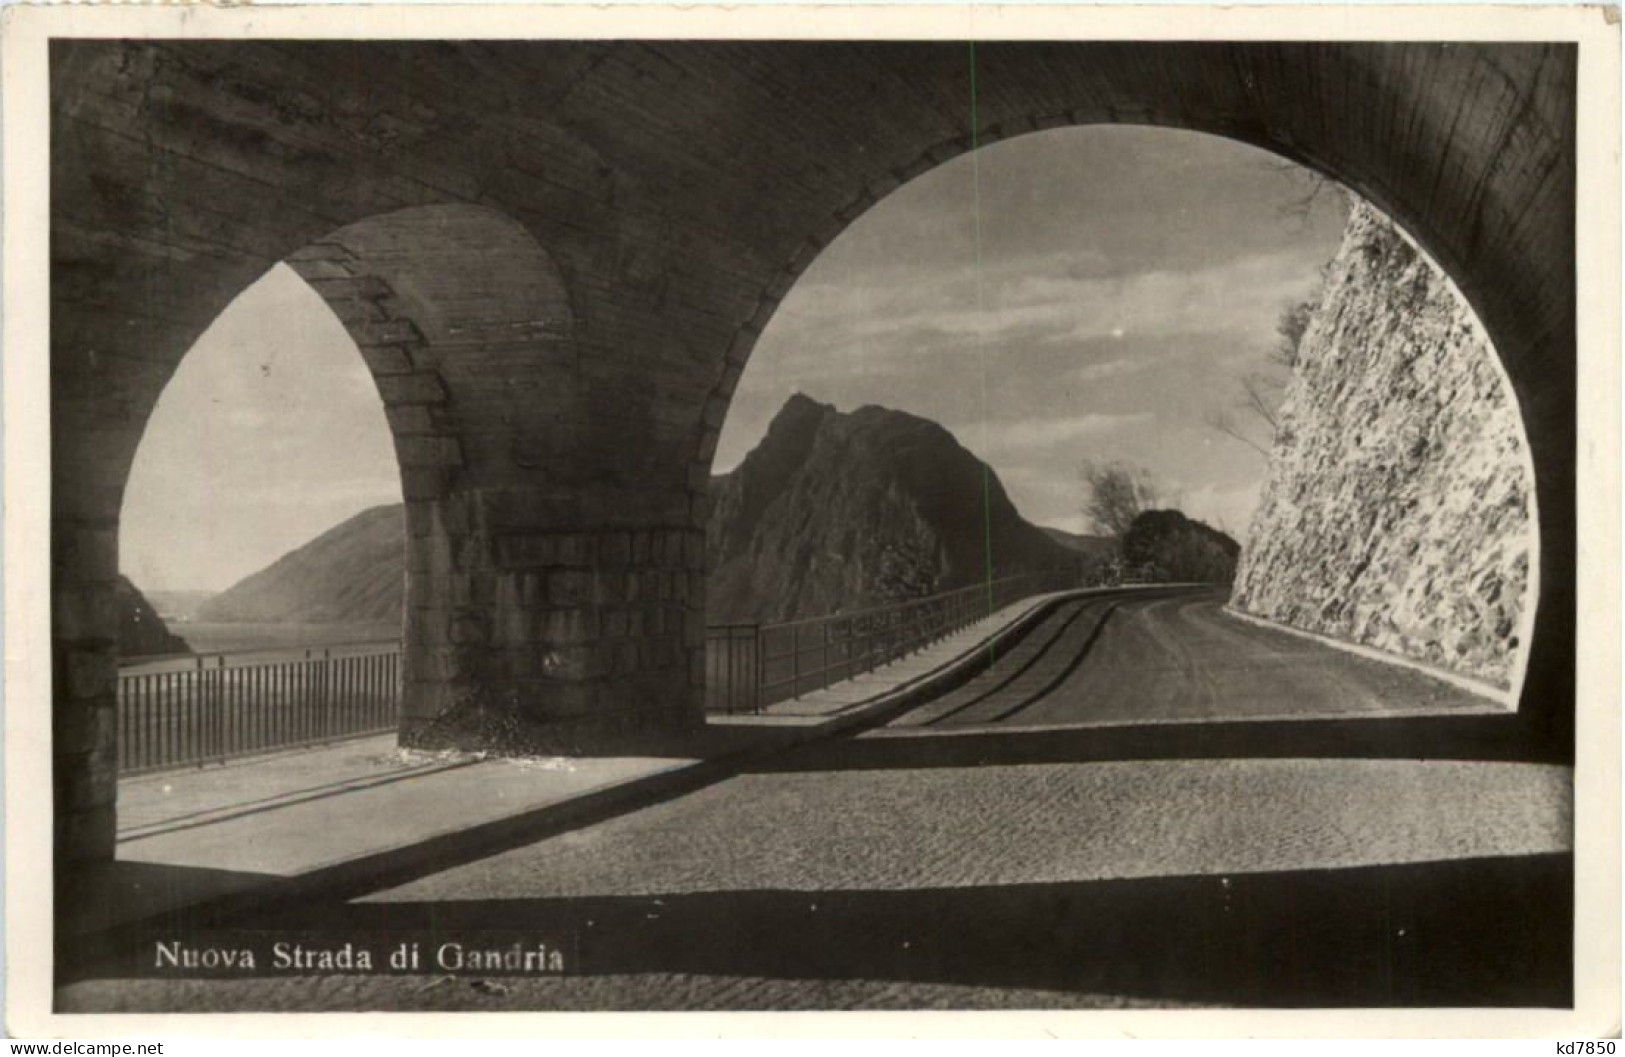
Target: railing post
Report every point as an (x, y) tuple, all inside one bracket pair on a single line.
[(795, 662), (324, 720), (215, 712), (737, 683), (723, 659), (759, 660)]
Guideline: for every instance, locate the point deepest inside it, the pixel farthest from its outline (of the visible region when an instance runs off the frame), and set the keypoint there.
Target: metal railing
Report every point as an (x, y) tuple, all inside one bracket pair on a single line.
[(749, 666), (733, 665), (186, 709)]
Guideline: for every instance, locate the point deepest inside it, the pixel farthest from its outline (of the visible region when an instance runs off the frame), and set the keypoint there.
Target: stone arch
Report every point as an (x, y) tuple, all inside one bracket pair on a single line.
[(457, 312)]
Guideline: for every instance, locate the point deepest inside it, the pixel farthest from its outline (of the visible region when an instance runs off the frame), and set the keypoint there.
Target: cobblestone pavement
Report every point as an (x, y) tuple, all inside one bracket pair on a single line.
[(1273, 882), (627, 992), (986, 826)]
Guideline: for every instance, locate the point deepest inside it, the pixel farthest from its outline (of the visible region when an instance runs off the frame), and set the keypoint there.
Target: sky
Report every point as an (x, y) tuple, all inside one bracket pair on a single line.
[(270, 433), (1076, 294), (1088, 293)]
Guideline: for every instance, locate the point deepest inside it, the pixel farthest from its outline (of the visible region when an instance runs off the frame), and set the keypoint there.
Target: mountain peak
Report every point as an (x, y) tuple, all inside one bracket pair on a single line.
[(801, 405), (839, 510)]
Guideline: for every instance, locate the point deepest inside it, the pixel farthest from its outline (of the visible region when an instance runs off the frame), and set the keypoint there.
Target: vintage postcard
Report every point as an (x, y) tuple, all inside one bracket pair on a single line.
[(1104, 518)]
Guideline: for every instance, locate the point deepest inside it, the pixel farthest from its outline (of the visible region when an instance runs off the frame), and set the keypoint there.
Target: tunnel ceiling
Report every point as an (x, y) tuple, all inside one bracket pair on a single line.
[(687, 183)]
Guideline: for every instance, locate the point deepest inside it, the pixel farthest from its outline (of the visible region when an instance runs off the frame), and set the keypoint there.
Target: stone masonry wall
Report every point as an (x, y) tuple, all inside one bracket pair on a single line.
[(1397, 513), (550, 642)]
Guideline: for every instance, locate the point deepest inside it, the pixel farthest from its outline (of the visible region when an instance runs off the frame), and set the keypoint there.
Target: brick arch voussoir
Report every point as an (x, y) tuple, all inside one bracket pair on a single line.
[(416, 398)]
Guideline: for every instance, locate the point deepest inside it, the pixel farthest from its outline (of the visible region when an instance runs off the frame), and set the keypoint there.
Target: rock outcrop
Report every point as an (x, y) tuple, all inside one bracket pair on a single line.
[(1397, 513), (353, 572), (141, 631), (836, 511)]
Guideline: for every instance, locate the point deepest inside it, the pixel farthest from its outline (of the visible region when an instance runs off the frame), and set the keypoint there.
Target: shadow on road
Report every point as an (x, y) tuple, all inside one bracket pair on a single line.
[(1499, 738), (1476, 932)]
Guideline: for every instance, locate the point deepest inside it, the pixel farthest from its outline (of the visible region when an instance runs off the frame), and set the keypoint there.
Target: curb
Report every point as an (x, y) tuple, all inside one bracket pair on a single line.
[(1506, 698)]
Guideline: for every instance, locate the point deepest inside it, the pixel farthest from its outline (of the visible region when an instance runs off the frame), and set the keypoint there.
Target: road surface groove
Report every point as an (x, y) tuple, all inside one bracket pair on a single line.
[(1006, 668), (1042, 670), (1072, 664), (1183, 658), (1011, 676)]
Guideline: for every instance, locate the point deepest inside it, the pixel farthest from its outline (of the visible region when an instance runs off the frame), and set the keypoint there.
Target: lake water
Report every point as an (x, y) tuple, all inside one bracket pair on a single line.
[(209, 637)]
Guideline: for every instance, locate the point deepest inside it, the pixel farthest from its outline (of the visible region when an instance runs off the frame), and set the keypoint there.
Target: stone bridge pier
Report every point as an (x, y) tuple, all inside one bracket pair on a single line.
[(547, 609), (556, 259)]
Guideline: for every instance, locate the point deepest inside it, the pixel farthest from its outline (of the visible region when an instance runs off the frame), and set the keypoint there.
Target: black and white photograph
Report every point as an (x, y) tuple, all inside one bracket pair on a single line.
[(703, 521)]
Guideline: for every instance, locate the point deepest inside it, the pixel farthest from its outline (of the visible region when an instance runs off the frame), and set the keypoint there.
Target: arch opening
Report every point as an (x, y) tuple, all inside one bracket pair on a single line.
[(389, 551), (270, 433), (924, 304)]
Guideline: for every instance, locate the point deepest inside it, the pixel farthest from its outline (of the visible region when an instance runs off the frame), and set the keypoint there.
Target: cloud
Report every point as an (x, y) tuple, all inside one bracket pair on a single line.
[(939, 314), (1027, 435), (1242, 297), (1077, 523), (1099, 372), (1101, 300)]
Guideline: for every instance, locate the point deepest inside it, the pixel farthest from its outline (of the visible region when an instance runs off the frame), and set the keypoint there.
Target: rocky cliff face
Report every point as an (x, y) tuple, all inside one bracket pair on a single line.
[(353, 572), (838, 511), (1397, 511)]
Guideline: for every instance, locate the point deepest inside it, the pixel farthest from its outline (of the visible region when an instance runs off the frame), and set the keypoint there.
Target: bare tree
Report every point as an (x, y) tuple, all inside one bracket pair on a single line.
[(1115, 494), (1308, 187), (1254, 418), (1260, 392), (1290, 329), (1222, 420)]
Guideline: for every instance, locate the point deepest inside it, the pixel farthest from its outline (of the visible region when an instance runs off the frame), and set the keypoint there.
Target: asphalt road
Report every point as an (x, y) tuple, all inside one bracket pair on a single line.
[(1177, 656)]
